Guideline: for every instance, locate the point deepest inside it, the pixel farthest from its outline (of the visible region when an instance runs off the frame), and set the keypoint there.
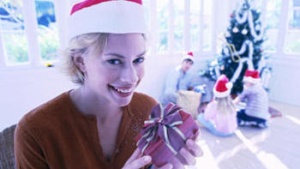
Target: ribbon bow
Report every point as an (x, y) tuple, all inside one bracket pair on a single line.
[(162, 124)]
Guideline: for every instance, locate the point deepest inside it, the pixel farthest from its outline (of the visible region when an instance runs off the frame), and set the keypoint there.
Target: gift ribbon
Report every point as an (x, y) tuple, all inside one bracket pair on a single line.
[(160, 124)]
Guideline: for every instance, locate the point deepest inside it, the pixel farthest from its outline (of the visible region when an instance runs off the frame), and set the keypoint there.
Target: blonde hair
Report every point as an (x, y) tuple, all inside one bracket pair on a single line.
[(225, 105), (81, 45)]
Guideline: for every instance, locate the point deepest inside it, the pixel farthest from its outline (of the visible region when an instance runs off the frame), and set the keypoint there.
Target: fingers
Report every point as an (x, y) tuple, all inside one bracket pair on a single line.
[(177, 164), (136, 161), (197, 134), (194, 148), (166, 166), (188, 153), (134, 156), (186, 157)]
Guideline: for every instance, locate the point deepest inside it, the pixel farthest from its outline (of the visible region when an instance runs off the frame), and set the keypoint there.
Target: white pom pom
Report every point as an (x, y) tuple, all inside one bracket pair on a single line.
[(229, 85)]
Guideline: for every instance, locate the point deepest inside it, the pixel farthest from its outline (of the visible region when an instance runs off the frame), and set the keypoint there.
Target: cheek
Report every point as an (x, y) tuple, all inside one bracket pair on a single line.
[(140, 71), (99, 73), (185, 67)]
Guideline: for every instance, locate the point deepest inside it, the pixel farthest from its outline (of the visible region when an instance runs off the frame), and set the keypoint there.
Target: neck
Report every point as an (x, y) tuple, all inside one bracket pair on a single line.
[(90, 103)]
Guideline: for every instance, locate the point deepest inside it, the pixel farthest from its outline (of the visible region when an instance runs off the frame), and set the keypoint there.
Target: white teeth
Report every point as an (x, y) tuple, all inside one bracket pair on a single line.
[(123, 91)]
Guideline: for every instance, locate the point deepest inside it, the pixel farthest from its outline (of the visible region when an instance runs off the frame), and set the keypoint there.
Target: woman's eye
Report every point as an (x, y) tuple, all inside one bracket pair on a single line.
[(139, 60), (114, 61)]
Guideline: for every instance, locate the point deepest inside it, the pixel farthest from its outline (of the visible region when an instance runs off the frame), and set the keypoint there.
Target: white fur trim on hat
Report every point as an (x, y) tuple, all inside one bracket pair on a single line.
[(223, 94), (251, 80), (117, 16), (251, 76), (188, 55)]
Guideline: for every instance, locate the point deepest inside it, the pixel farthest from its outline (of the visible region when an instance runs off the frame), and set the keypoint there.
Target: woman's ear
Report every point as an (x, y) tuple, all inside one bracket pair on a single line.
[(79, 62)]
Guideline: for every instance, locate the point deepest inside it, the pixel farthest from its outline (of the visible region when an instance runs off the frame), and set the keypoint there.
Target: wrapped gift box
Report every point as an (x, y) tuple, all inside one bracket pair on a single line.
[(166, 132)]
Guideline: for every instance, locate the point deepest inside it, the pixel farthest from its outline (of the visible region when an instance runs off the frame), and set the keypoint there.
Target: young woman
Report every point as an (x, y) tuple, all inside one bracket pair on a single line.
[(96, 124)]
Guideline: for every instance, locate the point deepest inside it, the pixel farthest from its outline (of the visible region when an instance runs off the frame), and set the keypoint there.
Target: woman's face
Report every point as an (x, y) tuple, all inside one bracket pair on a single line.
[(117, 71)]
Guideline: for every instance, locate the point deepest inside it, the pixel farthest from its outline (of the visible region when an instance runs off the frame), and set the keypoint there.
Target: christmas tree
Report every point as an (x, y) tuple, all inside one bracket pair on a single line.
[(242, 47)]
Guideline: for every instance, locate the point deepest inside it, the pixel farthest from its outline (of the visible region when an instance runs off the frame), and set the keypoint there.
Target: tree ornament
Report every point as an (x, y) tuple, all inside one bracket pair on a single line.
[(244, 31), (226, 51), (235, 56), (235, 30), (257, 27), (222, 67)]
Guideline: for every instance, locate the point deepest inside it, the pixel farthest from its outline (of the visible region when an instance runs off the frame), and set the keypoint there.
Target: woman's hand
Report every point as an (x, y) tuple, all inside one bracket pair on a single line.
[(137, 161), (187, 154)]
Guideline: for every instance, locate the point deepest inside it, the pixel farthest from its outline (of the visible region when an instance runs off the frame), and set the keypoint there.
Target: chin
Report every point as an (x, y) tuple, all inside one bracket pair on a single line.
[(125, 101)]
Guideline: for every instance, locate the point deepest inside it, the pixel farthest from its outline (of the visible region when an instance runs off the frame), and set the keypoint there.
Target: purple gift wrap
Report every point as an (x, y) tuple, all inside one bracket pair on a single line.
[(166, 132)]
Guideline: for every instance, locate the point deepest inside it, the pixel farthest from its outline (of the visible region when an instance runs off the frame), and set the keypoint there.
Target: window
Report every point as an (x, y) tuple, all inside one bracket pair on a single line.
[(172, 33), (15, 45), (195, 19), (207, 25), (15, 33), (201, 25), (163, 15), (292, 39), (178, 25), (272, 16), (47, 30)]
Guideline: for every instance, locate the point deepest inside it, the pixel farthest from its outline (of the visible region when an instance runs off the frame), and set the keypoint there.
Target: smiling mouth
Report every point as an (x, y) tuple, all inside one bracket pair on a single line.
[(123, 91)]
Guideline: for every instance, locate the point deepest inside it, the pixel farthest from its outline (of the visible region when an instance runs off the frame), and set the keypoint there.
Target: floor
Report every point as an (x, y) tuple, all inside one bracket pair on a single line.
[(275, 147)]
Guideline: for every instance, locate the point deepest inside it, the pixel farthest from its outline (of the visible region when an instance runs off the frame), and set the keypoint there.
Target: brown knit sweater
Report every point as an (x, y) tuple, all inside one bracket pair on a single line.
[(57, 136)]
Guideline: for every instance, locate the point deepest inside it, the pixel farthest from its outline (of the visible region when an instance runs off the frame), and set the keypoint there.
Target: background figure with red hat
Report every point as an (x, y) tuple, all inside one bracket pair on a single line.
[(95, 125), (177, 79), (219, 116), (256, 111)]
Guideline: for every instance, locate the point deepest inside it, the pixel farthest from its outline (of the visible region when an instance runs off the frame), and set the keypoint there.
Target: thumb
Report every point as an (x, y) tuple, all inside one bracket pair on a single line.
[(135, 155)]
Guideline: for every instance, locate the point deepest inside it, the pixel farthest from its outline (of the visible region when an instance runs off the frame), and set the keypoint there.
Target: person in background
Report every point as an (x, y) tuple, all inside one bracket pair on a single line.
[(256, 112), (177, 79), (219, 116), (96, 124)]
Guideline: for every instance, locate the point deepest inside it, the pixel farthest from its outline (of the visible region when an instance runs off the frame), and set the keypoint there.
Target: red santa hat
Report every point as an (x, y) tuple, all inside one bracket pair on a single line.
[(251, 76), (222, 87), (188, 56), (107, 16)]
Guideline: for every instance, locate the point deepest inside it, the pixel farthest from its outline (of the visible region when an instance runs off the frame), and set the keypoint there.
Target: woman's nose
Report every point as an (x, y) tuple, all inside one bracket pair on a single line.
[(129, 74)]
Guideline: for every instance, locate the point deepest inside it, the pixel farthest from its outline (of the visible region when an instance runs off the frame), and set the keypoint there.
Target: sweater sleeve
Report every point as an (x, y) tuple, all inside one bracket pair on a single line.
[(243, 96), (28, 152)]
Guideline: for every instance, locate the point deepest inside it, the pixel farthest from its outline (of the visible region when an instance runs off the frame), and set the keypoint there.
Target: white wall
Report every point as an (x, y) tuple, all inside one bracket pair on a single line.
[(285, 81), (23, 89)]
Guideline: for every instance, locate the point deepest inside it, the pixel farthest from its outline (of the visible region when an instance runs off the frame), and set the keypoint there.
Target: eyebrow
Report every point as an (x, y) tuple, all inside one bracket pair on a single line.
[(121, 56)]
